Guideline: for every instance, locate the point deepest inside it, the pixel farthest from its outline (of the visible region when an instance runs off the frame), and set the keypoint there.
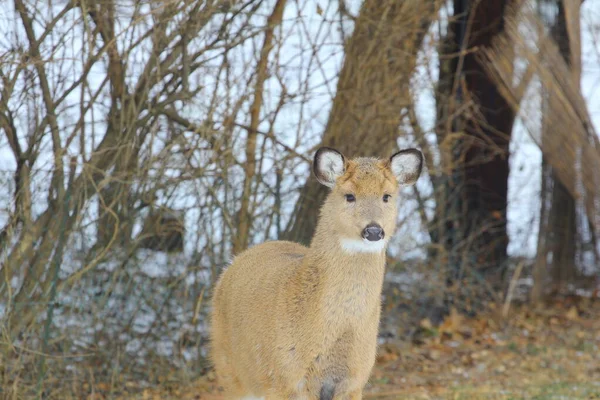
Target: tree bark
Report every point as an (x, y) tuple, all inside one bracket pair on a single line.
[(562, 209), (372, 89), (540, 267), (474, 129)]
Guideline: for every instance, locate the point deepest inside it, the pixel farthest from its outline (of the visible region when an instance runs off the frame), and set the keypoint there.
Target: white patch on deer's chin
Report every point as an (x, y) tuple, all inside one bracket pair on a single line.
[(252, 398), (362, 245)]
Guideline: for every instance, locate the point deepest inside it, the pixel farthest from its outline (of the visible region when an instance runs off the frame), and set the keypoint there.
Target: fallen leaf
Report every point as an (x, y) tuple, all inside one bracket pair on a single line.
[(452, 323), (572, 314), (426, 323)]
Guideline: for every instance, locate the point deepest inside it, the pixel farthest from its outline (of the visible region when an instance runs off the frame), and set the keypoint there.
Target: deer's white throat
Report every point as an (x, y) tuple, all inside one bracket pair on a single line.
[(362, 245)]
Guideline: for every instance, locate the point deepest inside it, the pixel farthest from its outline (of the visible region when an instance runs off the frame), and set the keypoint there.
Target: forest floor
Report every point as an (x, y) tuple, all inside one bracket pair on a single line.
[(549, 353)]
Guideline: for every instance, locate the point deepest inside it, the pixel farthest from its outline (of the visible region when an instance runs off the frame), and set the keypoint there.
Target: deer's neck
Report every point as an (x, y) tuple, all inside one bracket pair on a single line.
[(350, 282), (342, 268)]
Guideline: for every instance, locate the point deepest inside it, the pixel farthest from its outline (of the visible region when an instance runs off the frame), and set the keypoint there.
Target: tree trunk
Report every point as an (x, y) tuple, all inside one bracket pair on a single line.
[(115, 211), (114, 219), (372, 89), (472, 205), (244, 217), (540, 267), (558, 255)]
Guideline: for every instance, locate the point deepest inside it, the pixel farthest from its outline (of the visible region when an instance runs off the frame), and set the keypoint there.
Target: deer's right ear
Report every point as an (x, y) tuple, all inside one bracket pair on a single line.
[(328, 165)]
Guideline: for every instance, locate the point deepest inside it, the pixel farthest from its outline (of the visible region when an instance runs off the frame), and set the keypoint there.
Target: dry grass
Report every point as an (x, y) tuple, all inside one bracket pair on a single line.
[(546, 354)]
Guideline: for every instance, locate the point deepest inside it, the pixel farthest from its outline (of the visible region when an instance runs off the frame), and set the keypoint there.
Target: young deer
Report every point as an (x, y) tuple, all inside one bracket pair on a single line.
[(291, 322)]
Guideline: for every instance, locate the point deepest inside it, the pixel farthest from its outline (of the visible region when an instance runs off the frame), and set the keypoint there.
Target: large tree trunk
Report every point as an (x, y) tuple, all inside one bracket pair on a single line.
[(114, 217), (474, 128), (371, 92), (563, 212), (568, 229), (115, 211)]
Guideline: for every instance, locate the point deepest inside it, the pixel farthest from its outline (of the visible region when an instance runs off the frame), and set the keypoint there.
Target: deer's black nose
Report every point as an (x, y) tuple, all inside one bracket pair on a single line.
[(373, 232)]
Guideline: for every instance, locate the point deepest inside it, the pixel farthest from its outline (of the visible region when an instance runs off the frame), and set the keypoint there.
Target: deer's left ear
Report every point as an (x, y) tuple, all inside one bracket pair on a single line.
[(406, 166)]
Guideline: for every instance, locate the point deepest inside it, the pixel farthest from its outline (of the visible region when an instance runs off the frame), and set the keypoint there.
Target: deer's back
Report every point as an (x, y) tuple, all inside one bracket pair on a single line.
[(257, 275)]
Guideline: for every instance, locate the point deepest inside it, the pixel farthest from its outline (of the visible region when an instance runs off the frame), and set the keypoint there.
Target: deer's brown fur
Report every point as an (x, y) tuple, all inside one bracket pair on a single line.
[(291, 322)]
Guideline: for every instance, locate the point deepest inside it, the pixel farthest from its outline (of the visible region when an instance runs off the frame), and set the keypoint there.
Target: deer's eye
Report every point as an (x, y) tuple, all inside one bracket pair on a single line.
[(386, 198), (350, 198)]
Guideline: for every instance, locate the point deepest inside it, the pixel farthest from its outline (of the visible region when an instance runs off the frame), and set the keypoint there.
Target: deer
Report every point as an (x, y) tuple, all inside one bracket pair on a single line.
[(296, 322)]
